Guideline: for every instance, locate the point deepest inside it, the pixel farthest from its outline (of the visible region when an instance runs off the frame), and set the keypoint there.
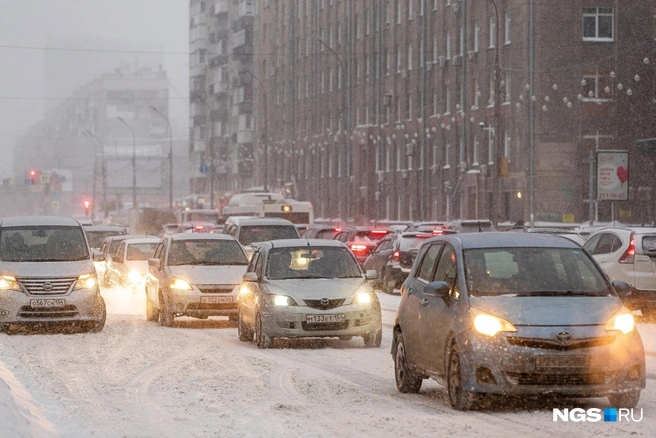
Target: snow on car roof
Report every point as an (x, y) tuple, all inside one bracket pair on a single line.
[(21, 221), (503, 239)]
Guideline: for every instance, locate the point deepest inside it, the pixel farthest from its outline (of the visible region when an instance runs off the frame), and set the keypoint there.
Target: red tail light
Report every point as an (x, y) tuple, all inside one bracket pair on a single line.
[(438, 231), (357, 247), (199, 228), (629, 255), (338, 230), (379, 232), (396, 255)]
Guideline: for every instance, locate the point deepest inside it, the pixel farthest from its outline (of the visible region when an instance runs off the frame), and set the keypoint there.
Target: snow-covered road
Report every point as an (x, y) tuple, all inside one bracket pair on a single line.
[(137, 379)]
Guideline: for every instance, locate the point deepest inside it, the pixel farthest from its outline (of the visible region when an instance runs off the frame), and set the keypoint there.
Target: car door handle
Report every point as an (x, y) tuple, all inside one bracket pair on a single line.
[(409, 291), (424, 301)]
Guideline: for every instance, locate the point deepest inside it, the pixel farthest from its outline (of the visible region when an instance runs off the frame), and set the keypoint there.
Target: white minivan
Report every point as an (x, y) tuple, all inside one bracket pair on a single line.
[(47, 273)]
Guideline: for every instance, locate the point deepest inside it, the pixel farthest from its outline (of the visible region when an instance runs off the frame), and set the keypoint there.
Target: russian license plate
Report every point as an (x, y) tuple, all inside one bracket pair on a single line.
[(48, 303), (542, 362), (215, 300), (325, 318)]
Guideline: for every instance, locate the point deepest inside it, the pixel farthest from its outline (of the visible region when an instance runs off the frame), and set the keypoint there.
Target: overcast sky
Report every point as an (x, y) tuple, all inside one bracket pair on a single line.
[(83, 36)]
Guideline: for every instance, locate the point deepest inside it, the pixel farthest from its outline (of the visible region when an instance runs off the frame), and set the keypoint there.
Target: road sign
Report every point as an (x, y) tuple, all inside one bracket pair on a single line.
[(203, 168)]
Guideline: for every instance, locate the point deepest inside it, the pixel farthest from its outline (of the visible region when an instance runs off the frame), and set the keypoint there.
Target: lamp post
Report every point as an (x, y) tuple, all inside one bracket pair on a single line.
[(134, 162), (166, 119), (496, 183), (265, 134), (103, 171)]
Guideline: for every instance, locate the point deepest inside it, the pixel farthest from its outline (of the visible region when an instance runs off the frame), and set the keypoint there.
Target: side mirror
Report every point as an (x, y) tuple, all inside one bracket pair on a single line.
[(153, 263), (250, 276), (437, 289), (622, 288), (371, 274), (98, 256)]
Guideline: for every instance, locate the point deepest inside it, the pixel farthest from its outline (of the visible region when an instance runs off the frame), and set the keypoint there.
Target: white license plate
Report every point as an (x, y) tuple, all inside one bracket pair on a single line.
[(215, 300), (48, 303), (325, 318)]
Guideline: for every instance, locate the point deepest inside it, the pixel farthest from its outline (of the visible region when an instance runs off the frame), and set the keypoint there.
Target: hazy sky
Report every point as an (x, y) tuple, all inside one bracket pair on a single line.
[(86, 34)]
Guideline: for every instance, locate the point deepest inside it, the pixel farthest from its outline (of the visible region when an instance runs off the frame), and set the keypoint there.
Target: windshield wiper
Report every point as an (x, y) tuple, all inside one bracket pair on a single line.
[(560, 293)]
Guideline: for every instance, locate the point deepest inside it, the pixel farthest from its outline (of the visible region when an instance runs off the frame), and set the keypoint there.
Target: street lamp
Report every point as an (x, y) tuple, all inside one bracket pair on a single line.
[(266, 131), (166, 119), (496, 183), (134, 162), (103, 170)]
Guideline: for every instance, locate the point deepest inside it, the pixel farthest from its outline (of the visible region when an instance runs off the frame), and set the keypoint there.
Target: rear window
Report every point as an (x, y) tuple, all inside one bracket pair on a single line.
[(649, 243), (262, 233), (43, 244), (141, 251), (206, 252), (96, 238)]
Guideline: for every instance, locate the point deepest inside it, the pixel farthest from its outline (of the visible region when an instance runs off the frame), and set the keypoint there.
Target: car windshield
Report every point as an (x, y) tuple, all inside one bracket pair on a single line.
[(206, 252), (311, 262), (140, 251), (533, 272), (42, 244), (262, 233)]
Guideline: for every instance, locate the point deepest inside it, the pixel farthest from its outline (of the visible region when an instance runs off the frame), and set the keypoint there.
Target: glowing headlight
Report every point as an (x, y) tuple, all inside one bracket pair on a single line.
[(86, 281), (490, 325), (362, 298), (135, 276), (281, 300), (7, 282), (179, 284), (622, 321)]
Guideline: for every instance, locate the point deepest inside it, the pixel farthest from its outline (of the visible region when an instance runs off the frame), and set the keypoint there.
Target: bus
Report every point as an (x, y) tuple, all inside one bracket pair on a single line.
[(264, 204)]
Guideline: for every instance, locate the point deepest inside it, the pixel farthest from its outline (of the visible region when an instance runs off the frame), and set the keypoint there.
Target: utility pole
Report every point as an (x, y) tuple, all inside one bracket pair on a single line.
[(265, 140), (166, 119)]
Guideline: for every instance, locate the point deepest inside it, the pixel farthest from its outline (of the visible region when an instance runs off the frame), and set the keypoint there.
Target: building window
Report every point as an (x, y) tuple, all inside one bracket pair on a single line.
[(493, 32), (447, 100), (409, 107), (597, 86), (422, 6), (490, 102), (475, 152), (448, 45), (597, 24), (447, 156), (398, 156), (398, 11), (477, 94), (490, 147), (507, 29), (435, 48), (506, 145), (398, 59), (507, 88), (435, 106), (477, 34), (388, 61), (410, 9), (410, 56)]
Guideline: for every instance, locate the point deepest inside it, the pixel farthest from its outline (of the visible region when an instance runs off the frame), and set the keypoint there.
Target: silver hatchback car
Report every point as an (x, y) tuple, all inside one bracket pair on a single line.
[(47, 274)]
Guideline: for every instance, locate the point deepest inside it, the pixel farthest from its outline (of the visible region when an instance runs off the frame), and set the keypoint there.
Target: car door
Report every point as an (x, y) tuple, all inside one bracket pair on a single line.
[(437, 314), (116, 266), (379, 256), (410, 313), (607, 253), (249, 290), (645, 261), (156, 274)]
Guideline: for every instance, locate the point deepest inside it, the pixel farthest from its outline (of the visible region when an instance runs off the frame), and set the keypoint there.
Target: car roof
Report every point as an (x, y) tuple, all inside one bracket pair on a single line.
[(252, 220), (104, 228), (637, 230), (142, 240), (501, 239), (21, 221), (289, 243), (200, 236)]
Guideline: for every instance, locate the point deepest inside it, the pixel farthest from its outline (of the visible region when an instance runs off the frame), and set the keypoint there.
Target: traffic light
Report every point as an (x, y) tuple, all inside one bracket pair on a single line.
[(87, 204), (32, 176)]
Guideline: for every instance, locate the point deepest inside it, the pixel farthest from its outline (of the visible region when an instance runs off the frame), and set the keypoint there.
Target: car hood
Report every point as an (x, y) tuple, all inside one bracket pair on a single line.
[(315, 288), (195, 274), (550, 311), (47, 269)]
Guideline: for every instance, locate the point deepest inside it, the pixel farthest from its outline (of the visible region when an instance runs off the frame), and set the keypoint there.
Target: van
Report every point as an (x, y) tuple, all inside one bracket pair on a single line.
[(249, 230), (47, 273)]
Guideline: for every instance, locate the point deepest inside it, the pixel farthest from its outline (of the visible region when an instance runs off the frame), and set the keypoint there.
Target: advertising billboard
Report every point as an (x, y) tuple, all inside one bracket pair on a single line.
[(612, 175)]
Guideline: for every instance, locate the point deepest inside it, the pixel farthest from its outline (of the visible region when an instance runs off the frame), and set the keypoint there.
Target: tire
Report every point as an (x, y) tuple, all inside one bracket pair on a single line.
[(165, 315), (263, 340), (459, 399), (152, 312), (626, 400), (245, 333), (407, 381), (373, 340)]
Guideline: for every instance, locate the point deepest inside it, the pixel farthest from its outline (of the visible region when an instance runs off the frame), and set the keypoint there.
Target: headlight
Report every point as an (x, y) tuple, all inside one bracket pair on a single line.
[(622, 321), (179, 284), (86, 281), (490, 325), (281, 300), (362, 298), (7, 282), (135, 276)]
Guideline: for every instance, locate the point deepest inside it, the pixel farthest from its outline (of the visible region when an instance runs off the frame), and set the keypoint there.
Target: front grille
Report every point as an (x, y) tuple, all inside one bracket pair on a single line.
[(560, 379), (553, 344), (213, 306), (326, 305), (216, 288), (47, 286), (325, 326), (69, 311)]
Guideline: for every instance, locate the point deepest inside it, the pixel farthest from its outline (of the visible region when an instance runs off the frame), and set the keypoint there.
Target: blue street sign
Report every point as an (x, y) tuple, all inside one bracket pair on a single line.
[(204, 168)]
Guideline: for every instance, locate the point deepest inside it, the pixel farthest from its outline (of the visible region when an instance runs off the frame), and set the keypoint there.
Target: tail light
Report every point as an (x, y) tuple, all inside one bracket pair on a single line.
[(629, 255), (198, 228), (380, 232), (438, 231), (356, 247), (396, 255)]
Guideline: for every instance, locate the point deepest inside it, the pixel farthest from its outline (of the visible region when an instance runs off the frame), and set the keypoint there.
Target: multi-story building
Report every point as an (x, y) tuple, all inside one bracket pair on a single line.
[(435, 109), (108, 143), (221, 100)]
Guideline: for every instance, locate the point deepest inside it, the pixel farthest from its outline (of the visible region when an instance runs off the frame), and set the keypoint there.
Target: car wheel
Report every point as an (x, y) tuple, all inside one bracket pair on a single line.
[(97, 326), (152, 312), (263, 340), (625, 400), (406, 380), (245, 333), (165, 315), (459, 399), (373, 340)]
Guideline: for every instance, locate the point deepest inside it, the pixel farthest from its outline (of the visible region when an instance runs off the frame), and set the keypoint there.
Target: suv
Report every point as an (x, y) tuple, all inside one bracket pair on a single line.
[(629, 254), (47, 273), (468, 226), (249, 230)]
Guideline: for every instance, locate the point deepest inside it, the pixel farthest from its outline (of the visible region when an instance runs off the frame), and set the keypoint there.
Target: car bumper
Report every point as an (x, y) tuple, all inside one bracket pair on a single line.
[(496, 366), (358, 320), (201, 305), (80, 305)]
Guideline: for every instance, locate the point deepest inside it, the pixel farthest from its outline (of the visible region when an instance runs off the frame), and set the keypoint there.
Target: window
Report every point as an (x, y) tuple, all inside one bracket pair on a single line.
[(398, 11), (477, 33), (410, 9), (475, 152), (493, 32), (448, 45), (507, 142), (597, 24), (447, 100), (410, 56), (507, 88), (435, 48), (477, 94), (447, 156), (507, 29), (398, 59), (490, 147), (409, 107)]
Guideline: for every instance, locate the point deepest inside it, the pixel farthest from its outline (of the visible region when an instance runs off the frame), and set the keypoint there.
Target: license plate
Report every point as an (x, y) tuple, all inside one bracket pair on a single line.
[(325, 318), (48, 303), (215, 300), (563, 362)]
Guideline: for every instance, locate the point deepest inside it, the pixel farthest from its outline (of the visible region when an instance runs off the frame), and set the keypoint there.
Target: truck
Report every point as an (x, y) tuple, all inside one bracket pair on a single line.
[(265, 204)]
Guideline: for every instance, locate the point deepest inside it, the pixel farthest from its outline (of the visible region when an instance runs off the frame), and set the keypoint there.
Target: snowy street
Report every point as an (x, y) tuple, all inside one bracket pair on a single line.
[(137, 379)]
